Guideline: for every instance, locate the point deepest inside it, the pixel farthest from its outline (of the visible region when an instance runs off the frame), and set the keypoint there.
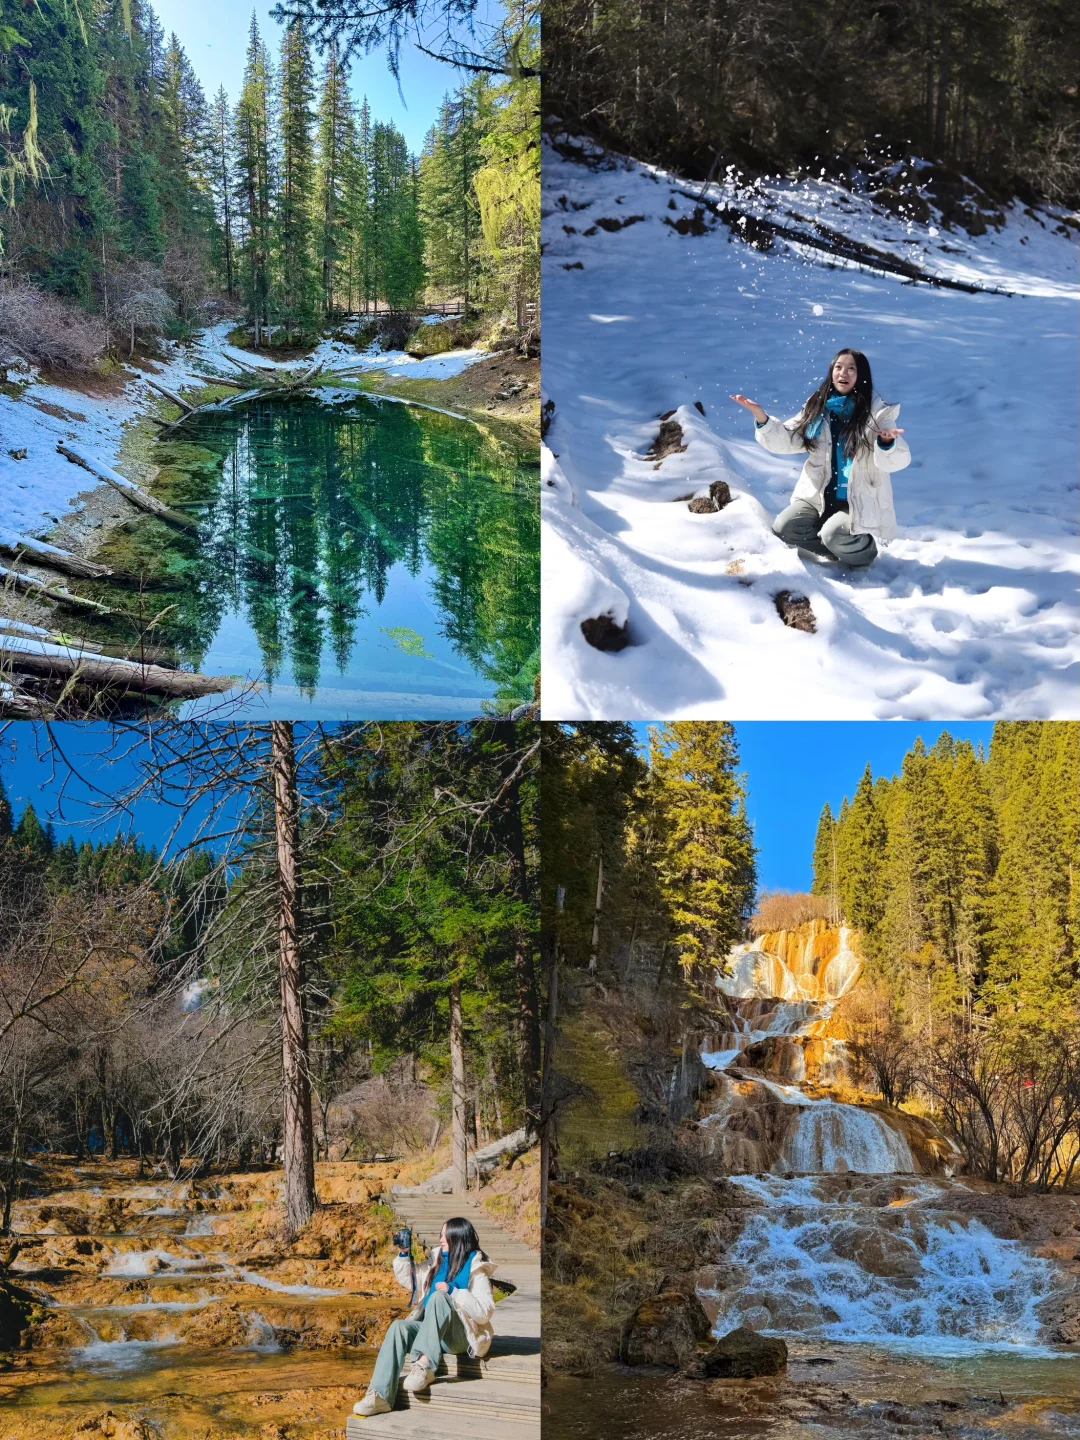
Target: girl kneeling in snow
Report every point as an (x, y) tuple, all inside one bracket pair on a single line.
[(842, 504), (452, 1315)]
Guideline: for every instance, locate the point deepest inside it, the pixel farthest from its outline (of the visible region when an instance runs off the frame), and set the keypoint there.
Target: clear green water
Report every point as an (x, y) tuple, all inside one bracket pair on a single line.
[(359, 559), (828, 1392)]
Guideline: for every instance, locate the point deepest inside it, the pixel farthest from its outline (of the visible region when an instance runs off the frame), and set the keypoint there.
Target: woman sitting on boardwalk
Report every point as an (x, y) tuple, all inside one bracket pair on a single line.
[(451, 1315)]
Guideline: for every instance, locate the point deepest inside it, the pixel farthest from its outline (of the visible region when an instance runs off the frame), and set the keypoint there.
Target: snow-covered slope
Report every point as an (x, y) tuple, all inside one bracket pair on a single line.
[(971, 612)]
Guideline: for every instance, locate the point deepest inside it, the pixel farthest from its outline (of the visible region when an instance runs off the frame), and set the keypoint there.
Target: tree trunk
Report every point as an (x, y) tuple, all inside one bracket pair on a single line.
[(596, 917), (298, 1137), (528, 1001), (942, 93), (547, 1108), (457, 1083)]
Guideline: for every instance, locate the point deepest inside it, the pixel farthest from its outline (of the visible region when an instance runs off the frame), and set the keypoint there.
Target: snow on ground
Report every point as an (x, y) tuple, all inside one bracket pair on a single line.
[(970, 613), (37, 489)]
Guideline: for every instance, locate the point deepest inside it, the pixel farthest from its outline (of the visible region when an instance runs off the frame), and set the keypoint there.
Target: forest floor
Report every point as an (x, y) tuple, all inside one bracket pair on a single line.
[(171, 1310), (658, 306), (504, 386)]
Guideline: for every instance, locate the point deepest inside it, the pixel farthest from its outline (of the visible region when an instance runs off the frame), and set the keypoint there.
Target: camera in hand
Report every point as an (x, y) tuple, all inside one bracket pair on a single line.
[(403, 1239)]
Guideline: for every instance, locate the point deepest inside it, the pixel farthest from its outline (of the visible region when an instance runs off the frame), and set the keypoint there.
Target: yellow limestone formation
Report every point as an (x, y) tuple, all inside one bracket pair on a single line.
[(780, 994)]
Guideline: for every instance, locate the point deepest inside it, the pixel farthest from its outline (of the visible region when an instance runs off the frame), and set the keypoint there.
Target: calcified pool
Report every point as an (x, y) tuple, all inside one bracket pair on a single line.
[(357, 558), (177, 1304)]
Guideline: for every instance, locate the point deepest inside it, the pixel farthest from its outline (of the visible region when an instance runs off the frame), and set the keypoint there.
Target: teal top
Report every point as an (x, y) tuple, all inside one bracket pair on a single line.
[(460, 1280)]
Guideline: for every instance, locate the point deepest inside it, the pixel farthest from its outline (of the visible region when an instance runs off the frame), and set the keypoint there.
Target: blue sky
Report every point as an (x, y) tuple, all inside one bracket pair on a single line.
[(214, 34), (794, 767), (74, 788)]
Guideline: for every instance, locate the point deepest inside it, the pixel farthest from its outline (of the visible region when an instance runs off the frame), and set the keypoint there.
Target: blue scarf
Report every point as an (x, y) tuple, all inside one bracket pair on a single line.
[(460, 1280), (843, 407)]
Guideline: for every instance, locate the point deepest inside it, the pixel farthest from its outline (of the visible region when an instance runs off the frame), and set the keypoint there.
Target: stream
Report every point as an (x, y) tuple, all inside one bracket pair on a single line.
[(357, 558), (178, 1303)]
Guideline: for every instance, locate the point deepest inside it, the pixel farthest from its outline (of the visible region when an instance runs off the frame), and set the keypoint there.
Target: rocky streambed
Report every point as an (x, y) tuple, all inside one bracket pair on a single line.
[(174, 1309)]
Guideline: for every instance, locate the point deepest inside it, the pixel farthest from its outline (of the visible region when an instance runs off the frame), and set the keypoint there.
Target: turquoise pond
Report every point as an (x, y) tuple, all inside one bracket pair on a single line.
[(356, 559)]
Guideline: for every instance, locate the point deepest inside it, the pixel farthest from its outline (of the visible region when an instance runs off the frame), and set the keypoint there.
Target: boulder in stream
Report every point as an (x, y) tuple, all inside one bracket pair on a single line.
[(740, 1355), (664, 1330)]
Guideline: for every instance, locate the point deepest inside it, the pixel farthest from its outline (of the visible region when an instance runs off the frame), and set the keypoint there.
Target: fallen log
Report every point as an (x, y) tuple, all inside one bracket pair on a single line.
[(54, 559), (27, 583), (103, 649), (55, 662), (169, 395), (128, 490)]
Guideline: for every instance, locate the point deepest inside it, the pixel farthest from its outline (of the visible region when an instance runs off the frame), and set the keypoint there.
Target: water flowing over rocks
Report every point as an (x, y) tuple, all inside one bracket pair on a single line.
[(858, 1227), (142, 1288), (779, 1000)]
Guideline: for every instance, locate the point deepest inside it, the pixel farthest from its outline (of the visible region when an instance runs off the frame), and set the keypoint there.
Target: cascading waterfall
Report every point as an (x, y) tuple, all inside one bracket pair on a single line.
[(834, 1138), (911, 1277), (831, 1255), (781, 999)]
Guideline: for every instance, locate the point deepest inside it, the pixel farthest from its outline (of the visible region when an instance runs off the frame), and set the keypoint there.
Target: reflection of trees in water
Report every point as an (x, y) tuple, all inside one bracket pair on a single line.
[(314, 505)]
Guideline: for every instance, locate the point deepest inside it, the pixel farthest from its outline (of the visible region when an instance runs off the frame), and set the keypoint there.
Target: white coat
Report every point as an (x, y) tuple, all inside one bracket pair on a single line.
[(476, 1305), (870, 498)]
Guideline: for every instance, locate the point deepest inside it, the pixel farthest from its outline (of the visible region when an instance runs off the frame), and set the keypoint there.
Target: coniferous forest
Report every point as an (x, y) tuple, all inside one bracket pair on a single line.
[(132, 200), (988, 89), (960, 875)]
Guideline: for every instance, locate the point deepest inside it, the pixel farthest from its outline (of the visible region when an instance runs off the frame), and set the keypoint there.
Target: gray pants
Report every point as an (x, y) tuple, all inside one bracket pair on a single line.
[(439, 1333), (800, 524)]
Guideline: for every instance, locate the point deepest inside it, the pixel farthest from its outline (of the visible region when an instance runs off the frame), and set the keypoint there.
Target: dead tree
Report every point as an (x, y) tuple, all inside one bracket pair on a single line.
[(298, 1147)]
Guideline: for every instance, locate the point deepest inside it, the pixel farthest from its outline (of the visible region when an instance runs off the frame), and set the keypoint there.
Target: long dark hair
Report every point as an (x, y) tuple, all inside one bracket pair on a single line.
[(855, 431), (461, 1242)]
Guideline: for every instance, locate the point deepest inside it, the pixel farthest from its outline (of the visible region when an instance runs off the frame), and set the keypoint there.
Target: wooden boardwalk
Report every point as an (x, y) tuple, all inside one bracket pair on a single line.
[(497, 1398)]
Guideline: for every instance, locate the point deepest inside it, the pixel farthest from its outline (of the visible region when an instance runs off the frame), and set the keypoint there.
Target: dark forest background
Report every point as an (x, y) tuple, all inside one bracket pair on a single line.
[(982, 86)]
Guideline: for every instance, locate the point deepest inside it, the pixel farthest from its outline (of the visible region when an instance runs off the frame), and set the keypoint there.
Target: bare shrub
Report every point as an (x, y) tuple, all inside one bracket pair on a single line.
[(184, 272), (46, 330), (139, 304), (883, 1051), (389, 1114), (1055, 164), (784, 909)]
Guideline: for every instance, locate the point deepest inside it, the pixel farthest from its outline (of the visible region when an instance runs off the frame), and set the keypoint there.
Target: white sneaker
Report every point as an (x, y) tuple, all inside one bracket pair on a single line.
[(418, 1378), (372, 1404)]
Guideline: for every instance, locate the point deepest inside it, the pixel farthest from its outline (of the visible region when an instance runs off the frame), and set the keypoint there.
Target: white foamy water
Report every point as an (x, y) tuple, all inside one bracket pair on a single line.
[(958, 1288), (833, 1138), (120, 1354), (309, 1290), (138, 1263)]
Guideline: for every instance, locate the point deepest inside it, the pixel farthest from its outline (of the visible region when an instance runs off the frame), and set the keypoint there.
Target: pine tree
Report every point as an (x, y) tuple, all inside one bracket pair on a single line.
[(826, 870), (448, 202), (293, 247), (336, 152), (707, 866), (508, 190), (860, 851), (221, 143), (34, 838), (253, 166)]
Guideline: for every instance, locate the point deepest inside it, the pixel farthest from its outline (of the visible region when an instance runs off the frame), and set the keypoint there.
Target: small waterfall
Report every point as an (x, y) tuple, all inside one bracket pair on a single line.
[(831, 1138), (910, 1277)]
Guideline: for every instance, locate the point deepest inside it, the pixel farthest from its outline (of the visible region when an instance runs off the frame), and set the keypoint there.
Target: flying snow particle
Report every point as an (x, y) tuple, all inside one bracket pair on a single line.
[(819, 309), (931, 231)]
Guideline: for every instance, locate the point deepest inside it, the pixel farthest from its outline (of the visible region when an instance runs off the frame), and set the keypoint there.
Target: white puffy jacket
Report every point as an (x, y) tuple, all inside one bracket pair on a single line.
[(870, 498), (476, 1305)]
